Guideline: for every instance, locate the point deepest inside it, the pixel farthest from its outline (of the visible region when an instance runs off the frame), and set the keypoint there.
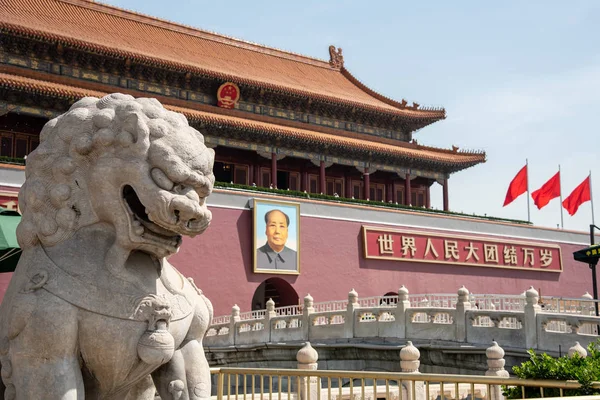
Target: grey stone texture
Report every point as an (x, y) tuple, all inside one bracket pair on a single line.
[(94, 309)]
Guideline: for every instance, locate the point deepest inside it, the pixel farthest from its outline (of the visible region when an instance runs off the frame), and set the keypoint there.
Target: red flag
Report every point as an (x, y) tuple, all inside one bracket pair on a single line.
[(580, 195), (549, 191), (517, 186)]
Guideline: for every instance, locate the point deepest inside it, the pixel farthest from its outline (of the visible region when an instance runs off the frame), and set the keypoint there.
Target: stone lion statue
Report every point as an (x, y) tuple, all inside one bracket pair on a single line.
[(94, 309)]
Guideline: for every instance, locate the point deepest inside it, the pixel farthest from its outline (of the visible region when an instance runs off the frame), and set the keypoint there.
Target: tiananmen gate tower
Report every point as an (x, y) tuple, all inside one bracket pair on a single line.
[(278, 121)]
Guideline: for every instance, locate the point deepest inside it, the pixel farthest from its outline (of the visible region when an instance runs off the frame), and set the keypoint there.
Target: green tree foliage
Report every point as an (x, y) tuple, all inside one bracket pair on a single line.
[(542, 366)]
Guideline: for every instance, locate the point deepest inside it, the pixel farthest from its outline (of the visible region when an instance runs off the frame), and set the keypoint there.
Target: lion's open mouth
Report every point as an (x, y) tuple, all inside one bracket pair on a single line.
[(143, 226)]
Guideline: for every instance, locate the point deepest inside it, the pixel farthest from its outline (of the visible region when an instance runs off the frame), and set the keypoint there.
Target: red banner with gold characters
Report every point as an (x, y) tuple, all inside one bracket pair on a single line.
[(417, 246)]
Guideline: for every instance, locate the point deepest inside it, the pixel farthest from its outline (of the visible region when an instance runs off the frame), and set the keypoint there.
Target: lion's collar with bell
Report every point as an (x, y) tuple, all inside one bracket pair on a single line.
[(43, 273)]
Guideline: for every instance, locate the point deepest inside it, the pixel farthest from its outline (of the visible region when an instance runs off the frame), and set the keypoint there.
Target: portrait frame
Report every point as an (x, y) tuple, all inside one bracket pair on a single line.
[(261, 258)]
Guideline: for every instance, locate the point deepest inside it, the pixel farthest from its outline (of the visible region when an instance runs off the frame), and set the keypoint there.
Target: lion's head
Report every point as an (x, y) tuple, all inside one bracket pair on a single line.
[(127, 163)]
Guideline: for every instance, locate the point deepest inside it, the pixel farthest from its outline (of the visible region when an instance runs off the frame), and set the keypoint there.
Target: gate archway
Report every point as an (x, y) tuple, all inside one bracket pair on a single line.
[(389, 299), (282, 293)]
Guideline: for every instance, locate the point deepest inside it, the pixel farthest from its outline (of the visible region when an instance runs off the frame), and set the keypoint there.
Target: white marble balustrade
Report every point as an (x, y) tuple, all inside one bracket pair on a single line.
[(522, 321)]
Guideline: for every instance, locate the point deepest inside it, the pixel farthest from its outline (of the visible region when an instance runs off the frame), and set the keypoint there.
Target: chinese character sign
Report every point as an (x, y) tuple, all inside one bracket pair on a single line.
[(407, 245)]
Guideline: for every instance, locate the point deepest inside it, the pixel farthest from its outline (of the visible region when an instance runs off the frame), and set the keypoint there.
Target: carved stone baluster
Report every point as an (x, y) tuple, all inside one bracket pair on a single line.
[(409, 363), (306, 311), (270, 309), (588, 308), (495, 362), (401, 307), (579, 350), (462, 306), (269, 314), (350, 315), (532, 308), (235, 317), (307, 358)]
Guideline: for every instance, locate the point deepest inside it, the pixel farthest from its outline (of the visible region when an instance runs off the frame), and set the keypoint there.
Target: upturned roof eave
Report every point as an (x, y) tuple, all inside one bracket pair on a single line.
[(426, 117), (29, 85), (440, 113)]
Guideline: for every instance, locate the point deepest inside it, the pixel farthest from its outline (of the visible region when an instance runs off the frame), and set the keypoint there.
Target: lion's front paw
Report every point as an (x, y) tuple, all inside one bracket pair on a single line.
[(176, 389)]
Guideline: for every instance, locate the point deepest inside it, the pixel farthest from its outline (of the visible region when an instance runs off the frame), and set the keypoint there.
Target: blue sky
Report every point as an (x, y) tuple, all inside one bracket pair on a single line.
[(518, 79)]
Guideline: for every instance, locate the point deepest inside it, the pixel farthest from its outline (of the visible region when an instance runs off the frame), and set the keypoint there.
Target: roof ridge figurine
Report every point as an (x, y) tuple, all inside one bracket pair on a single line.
[(336, 59)]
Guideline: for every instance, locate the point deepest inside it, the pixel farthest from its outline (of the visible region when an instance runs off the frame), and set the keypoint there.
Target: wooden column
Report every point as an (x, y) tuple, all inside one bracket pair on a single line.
[(304, 181), (250, 174), (322, 177), (348, 184), (366, 183), (274, 170), (445, 187), (407, 194), (389, 191), (257, 175), (428, 197)]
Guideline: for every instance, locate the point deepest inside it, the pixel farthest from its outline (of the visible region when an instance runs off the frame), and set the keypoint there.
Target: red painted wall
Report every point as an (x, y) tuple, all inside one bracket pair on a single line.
[(331, 263)]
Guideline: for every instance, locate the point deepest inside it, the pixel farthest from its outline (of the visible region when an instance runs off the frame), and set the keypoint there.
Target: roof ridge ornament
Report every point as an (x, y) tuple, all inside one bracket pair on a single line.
[(336, 59)]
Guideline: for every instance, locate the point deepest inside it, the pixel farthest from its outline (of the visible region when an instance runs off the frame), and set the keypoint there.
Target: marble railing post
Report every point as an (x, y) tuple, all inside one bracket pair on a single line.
[(350, 315), (409, 363), (270, 309), (307, 358), (495, 362), (591, 310), (402, 325), (530, 318), (235, 317), (578, 349), (462, 306), (269, 314), (306, 311), (401, 307)]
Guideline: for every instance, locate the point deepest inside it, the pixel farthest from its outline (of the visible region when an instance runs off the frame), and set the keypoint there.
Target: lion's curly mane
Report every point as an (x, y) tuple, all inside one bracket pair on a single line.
[(54, 199)]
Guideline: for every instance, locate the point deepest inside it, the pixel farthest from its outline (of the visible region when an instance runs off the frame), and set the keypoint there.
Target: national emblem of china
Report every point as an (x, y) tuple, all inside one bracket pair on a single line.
[(227, 95)]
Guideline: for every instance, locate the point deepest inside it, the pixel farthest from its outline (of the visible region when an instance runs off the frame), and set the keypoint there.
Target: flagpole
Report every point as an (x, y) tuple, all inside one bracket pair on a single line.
[(528, 212), (591, 198), (561, 206)]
